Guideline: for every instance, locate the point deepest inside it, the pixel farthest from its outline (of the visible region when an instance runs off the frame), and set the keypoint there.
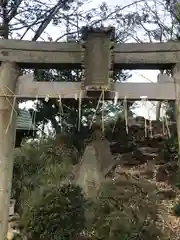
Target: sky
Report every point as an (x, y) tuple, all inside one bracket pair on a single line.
[(147, 110)]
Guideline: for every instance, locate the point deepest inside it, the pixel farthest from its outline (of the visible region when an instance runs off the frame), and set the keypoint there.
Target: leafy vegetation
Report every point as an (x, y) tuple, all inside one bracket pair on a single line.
[(176, 210), (51, 205), (44, 197), (126, 209), (57, 213), (39, 163)]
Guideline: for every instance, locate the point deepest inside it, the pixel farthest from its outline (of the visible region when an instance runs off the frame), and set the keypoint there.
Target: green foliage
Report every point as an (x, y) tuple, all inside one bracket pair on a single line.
[(176, 210), (58, 214), (172, 144), (177, 11), (17, 237), (37, 164), (116, 128), (49, 205), (171, 111), (126, 210)]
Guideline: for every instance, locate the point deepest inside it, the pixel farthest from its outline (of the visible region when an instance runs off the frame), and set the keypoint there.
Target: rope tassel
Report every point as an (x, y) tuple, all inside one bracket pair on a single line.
[(126, 114), (79, 111)]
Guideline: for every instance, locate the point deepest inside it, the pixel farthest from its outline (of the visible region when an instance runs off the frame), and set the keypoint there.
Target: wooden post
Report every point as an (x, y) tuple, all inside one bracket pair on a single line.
[(8, 76), (176, 77)]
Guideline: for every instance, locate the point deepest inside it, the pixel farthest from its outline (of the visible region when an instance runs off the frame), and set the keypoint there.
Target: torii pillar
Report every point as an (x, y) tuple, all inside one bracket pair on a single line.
[(176, 77), (8, 76)]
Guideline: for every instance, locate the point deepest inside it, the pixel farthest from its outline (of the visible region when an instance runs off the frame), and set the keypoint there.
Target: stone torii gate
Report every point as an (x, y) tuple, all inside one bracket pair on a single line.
[(98, 56)]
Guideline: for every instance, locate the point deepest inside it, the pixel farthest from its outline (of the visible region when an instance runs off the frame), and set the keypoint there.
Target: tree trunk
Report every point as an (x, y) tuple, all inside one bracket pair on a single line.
[(8, 76)]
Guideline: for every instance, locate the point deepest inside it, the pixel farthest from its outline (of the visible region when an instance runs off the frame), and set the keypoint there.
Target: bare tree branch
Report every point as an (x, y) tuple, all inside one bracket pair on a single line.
[(5, 24), (13, 11), (115, 11), (47, 20)]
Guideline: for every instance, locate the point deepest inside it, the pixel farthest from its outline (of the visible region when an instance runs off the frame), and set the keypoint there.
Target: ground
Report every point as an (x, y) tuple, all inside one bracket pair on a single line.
[(169, 194)]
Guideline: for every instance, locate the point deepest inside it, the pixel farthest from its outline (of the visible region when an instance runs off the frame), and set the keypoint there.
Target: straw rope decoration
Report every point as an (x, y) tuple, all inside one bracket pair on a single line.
[(79, 111), (13, 95), (150, 128), (97, 106), (76, 96), (12, 107), (167, 126), (163, 127), (47, 97), (144, 103), (125, 113), (11, 115), (102, 112), (115, 102), (115, 98), (61, 112), (150, 123), (163, 124), (166, 123), (60, 105), (34, 117)]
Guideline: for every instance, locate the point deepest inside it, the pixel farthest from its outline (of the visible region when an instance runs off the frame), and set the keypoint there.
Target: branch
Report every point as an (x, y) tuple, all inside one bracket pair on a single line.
[(166, 31), (64, 35), (29, 27), (110, 15), (46, 21), (14, 9), (116, 11), (37, 21)]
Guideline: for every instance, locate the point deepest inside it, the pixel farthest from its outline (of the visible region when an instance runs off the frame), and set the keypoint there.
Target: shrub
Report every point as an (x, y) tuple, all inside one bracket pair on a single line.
[(125, 210), (48, 208), (172, 145), (57, 213), (176, 210), (39, 164)]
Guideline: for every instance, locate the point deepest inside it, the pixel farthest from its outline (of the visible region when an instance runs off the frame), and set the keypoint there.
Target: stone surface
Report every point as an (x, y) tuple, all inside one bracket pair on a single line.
[(104, 155), (89, 174)]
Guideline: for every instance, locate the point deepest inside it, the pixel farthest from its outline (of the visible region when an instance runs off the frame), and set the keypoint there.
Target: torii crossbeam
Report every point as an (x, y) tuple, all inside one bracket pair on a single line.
[(28, 88), (98, 57)]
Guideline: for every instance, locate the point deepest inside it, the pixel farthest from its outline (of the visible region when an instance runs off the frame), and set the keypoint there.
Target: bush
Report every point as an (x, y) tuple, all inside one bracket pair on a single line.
[(172, 146), (176, 210), (126, 210), (49, 209), (58, 213), (38, 164)]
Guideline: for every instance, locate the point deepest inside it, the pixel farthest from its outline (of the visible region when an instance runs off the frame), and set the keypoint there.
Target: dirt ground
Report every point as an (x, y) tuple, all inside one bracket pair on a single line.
[(169, 194)]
